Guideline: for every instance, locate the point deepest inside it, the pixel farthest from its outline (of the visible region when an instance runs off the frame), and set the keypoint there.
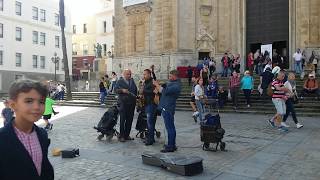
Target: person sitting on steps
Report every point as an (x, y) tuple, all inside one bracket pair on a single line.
[(311, 86)]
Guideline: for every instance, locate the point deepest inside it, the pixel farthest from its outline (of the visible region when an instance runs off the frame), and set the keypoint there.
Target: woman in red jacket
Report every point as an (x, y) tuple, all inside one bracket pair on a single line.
[(250, 62)]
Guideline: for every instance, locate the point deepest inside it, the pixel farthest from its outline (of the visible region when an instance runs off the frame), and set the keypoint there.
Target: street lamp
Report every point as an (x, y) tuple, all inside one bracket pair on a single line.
[(55, 59), (89, 71)]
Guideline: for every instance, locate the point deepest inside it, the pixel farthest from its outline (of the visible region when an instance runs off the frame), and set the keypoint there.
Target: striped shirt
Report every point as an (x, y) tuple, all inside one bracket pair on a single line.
[(32, 145), (277, 93)]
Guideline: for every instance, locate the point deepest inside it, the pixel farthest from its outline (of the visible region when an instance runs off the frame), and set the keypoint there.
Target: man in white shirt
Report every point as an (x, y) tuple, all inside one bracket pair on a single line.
[(297, 56)]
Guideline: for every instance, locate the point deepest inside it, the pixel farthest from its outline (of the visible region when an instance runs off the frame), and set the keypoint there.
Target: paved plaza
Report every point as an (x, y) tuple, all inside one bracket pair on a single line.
[(255, 151)]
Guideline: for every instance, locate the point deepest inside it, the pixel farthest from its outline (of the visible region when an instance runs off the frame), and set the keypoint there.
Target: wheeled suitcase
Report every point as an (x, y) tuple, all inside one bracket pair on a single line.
[(180, 164)]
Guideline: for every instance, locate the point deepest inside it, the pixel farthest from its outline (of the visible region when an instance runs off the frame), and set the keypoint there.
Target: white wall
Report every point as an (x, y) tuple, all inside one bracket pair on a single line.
[(10, 46)]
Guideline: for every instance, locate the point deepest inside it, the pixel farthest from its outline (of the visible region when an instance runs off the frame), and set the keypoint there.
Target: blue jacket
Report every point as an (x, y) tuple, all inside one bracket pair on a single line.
[(15, 161), (247, 82), (169, 96)]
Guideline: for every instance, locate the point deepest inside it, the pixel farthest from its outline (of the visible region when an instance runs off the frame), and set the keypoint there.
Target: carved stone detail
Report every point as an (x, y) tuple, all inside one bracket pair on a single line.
[(206, 41), (205, 10), (138, 9)]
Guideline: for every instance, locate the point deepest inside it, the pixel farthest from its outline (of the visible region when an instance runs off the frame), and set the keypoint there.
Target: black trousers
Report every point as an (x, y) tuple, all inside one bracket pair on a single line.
[(315, 91), (247, 94), (290, 109), (126, 117)]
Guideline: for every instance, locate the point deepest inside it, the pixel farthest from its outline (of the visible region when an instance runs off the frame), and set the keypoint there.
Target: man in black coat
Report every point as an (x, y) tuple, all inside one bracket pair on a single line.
[(127, 91)]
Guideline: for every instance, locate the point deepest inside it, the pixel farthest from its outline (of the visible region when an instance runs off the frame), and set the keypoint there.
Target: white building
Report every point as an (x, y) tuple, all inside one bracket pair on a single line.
[(105, 31), (29, 37)]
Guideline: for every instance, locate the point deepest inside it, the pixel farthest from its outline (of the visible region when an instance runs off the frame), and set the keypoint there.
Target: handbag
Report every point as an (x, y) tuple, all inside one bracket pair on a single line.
[(156, 99), (269, 90), (229, 95)]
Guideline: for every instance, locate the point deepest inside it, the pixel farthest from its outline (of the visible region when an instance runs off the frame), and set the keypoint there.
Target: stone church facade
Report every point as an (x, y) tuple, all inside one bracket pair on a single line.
[(172, 33)]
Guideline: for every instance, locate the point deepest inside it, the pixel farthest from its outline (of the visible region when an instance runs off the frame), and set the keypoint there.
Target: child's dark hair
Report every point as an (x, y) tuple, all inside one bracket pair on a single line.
[(24, 86)]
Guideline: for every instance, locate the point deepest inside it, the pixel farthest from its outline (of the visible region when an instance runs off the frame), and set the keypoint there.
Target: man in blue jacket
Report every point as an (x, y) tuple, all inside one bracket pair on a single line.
[(169, 95)]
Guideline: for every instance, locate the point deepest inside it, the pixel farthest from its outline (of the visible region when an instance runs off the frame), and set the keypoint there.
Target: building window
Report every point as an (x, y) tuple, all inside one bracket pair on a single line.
[(104, 26), (74, 49), (35, 61), (113, 21), (105, 49), (85, 62), (18, 76), (42, 15), (84, 28), (18, 59), (56, 19), (42, 62), (18, 34), (43, 39), (1, 57), (85, 49), (1, 5), (74, 28), (35, 13), (18, 8), (62, 64), (57, 42), (1, 30), (35, 37)]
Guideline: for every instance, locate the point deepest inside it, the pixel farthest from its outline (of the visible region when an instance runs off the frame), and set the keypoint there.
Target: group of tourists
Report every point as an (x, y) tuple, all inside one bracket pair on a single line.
[(275, 83), (107, 85), (301, 61)]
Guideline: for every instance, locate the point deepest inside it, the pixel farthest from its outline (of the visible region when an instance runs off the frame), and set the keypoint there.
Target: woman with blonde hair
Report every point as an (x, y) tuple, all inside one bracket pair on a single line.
[(290, 84)]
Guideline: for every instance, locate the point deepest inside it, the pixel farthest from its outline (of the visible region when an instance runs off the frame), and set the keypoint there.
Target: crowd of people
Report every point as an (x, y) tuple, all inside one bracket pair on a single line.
[(206, 90)]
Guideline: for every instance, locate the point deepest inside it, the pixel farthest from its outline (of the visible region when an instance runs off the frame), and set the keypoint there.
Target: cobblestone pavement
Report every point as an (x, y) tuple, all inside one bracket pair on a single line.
[(255, 151)]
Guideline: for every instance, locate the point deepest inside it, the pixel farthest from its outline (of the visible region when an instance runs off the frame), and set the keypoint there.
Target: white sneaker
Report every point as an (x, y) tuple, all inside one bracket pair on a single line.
[(284, 124), (195, 113), (299, 125)]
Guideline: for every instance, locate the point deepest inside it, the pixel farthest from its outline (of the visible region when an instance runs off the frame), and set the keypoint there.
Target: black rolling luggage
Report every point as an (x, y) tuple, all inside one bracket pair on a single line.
[(180, 164)]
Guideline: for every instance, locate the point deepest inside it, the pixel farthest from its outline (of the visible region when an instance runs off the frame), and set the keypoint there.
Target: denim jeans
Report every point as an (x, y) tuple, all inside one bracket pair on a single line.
[(298, 67), (151, 121), (102, 97), (225, 72), (61, 96), (168, 118), (200, 109)]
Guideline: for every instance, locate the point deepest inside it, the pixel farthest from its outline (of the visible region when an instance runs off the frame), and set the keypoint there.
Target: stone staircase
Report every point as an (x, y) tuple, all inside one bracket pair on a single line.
[(309, 106)]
